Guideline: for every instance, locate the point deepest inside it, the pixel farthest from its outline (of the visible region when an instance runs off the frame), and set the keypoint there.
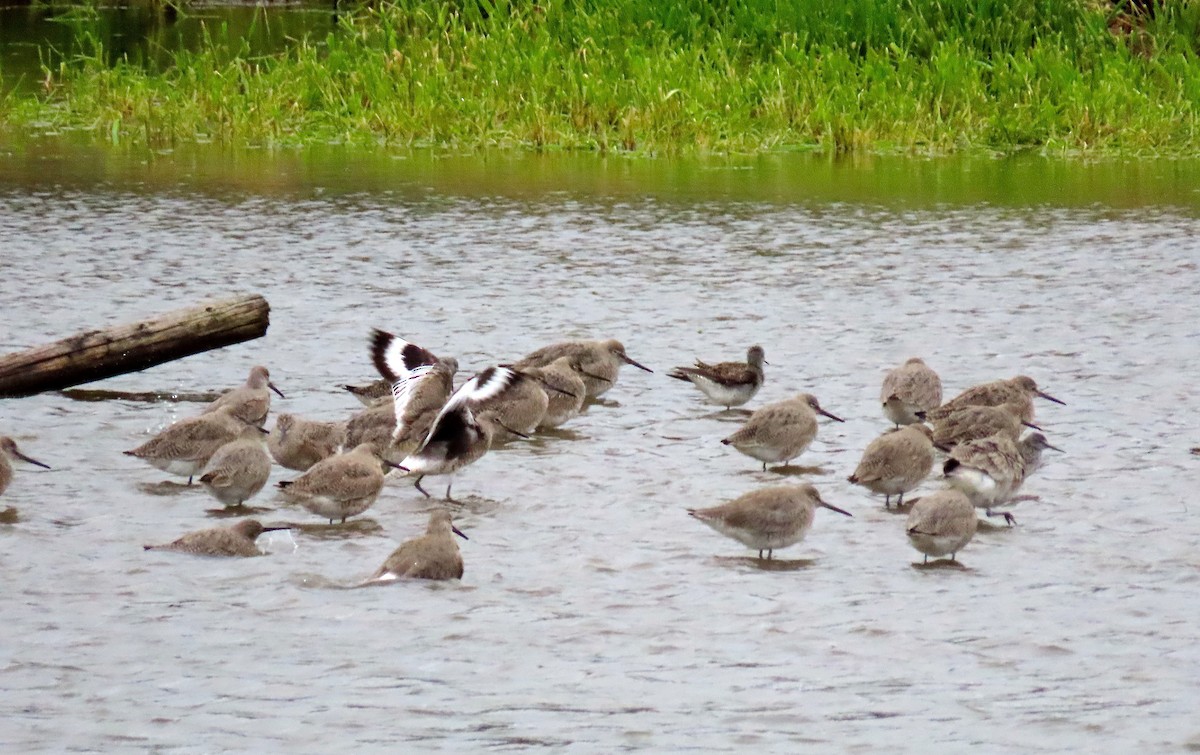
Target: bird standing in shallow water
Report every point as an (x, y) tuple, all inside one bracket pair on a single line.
[(941, 524), (599, 361), (236, 540), (297, 443), (186, 446), (975, 422), (768, 518), (1021, 389), (252, 401), (421, 384), (780, 431), (565, 392), (8, 453), (896, 462), (909, 391), (520, 407), (368, 394), (239, 469), (341, 486), (726, 384), (991, 470), (460, 433), (434, 555)]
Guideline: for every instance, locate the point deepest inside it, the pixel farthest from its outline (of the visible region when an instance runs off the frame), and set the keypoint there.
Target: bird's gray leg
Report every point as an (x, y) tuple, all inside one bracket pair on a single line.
[(417, 484)]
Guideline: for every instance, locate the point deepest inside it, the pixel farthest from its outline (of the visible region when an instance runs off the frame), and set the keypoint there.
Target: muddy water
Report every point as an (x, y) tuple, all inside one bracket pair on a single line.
[(594, 613)]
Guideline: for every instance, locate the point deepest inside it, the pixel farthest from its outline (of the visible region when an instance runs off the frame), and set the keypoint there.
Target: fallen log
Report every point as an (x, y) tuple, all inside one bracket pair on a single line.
[(100, 354)]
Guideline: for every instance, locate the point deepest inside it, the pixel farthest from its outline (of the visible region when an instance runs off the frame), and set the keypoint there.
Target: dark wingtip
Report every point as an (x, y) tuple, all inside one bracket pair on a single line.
[(920, 414), (951, 465), (207, 477), (285, 483), (725, 441), (853, 479), (380, 339), (147, 547)]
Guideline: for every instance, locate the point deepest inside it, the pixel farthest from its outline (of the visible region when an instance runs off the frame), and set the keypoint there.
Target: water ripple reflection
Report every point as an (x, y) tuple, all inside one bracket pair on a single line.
[(594, 614)]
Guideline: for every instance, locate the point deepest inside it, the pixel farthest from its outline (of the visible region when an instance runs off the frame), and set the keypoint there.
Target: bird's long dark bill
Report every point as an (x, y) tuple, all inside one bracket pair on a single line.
[(276, 529), (272, 387), (594, 377), (1030, 424), (458, 532), (627, 360), (394, 465), (263, 430), (831, 416), (1048, 397), (22, 456), (514, 432), (831, 507), (1055, 448)]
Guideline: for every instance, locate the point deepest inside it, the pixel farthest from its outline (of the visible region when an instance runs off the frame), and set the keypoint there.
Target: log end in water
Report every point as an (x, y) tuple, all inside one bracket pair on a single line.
[(99, 354)]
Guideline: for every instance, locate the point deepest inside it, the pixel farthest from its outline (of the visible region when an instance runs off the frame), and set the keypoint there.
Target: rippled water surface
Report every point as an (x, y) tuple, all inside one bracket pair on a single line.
[(594, 613)]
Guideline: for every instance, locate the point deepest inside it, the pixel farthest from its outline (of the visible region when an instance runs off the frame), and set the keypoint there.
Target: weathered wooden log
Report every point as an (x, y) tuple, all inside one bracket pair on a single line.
[(100, 354)]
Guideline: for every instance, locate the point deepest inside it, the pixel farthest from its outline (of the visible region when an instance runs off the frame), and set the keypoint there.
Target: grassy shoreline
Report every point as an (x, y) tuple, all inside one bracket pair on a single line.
[(695, 77)]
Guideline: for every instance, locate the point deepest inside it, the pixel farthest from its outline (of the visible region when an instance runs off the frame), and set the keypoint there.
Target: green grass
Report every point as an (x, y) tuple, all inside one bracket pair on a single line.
[(738, 76)]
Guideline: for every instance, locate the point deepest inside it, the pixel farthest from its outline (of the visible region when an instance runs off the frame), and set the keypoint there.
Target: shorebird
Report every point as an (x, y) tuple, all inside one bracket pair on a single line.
[(896, 462), (599, 361), (991, 470), (909, 390), (1031, 447), (780, 431), (341, 486), (726, 384), (565, 392), (236, 540), (238, 469), (371, 392), (520, 407), (421, 383), (252, 401), (1020, 389), (941, 523), (767, 519), (9, 453), (433, 555), (297, 443), (375, 424), (186, 446), (460, 433), (974, 422)]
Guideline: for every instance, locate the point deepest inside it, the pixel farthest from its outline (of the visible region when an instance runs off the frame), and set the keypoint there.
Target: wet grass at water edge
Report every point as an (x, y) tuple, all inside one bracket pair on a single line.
[(695, 76)]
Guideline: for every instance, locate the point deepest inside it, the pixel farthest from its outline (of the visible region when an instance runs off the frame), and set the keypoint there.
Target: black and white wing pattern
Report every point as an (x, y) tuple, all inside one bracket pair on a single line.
[(456, 418), (402, 364)]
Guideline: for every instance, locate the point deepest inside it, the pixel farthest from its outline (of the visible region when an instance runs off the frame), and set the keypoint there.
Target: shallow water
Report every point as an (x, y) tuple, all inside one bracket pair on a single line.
[(594, 613)]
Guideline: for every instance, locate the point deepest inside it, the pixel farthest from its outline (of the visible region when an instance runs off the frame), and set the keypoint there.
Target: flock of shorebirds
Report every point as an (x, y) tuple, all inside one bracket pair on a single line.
[(415, 421)]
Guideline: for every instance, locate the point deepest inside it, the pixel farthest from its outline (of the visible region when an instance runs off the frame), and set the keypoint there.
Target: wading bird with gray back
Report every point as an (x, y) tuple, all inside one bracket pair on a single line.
[(909, 391), (780, 431), (767, 519), (9, 453), (235, 540), (599, 361), (434, 555), (250, 402)]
